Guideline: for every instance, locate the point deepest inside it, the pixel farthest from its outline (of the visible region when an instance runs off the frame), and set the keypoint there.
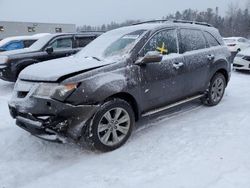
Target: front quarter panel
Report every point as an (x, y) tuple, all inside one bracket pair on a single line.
[(103, 84)]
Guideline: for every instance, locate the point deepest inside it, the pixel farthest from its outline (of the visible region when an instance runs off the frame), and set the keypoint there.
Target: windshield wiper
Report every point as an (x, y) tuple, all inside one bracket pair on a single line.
[(96, 58)]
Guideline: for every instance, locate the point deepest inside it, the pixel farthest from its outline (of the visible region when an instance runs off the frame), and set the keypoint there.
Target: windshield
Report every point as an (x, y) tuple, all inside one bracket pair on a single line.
[(40, 43), (113, 44)]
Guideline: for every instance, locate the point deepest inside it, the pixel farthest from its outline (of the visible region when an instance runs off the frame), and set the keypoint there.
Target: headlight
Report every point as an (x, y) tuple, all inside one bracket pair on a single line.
[(65, 90), (56, 91), (45, 90), (3, 59)]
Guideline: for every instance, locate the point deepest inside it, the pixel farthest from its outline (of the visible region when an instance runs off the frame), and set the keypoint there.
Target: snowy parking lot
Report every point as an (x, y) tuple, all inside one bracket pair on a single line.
[(192, 146)]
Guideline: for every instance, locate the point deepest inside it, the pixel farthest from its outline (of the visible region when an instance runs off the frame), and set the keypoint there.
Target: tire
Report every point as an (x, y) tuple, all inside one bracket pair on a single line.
[(104, 132), (215, 91)]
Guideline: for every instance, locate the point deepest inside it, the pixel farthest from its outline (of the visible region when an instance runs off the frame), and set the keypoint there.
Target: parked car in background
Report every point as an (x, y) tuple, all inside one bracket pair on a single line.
[(19, 42), (242, 60), (236, 44), (96, 96), (46, 48)]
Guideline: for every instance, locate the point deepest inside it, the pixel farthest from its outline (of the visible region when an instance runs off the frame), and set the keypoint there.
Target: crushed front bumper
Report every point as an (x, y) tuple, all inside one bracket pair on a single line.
[(49, 119), (37, 129)]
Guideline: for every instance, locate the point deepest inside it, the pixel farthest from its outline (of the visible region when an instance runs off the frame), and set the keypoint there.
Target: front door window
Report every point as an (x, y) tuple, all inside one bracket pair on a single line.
[(164, 42)]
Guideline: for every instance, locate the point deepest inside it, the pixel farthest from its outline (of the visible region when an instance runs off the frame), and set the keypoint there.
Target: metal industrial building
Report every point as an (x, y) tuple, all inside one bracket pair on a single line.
[(8, 29)]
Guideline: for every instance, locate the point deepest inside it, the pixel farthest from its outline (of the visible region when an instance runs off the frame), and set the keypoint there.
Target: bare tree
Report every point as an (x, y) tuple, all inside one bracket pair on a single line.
[(248, 4)]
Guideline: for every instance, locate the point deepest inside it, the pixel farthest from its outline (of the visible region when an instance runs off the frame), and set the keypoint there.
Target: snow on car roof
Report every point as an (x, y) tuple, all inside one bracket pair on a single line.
[(149, 26), (9, 39)]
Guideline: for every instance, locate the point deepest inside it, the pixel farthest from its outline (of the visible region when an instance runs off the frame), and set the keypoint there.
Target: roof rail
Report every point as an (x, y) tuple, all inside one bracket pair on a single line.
[(82, 31), (175, 21), (152, 21), (192, 22)]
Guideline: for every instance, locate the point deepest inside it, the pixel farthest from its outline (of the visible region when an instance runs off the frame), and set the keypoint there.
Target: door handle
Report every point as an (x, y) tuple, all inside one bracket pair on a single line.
[(210, 57), (178, 65)]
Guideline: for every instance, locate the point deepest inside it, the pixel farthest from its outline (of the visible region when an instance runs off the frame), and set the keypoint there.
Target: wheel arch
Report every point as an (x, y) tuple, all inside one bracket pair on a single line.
[(221, 66), (128, 98), (224, 73), (23, 64)]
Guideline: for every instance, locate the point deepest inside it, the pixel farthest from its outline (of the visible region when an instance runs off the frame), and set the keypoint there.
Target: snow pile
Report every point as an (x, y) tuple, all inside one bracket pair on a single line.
[(192, 146)]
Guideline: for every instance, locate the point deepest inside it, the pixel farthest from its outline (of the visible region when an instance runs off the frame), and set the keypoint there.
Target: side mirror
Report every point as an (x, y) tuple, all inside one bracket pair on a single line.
[(49, 50), (150, 57)]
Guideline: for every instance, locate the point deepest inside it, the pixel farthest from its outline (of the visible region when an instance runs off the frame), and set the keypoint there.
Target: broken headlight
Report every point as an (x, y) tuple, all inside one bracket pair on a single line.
[(55, 91)]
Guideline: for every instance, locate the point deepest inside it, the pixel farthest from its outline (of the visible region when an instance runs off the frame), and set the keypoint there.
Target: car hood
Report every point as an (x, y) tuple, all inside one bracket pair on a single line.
[(53, 70)]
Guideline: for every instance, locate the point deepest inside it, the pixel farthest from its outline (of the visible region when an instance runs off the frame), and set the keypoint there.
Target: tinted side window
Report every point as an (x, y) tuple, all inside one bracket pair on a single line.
[(62, 43), (164, 42), (83, 41), (211, 40), (191, 40), (28, 43)]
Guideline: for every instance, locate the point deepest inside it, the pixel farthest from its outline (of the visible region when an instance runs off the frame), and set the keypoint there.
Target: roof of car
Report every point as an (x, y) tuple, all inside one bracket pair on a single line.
[(173, 22), (82, 33), (9, 39), (156, 26)]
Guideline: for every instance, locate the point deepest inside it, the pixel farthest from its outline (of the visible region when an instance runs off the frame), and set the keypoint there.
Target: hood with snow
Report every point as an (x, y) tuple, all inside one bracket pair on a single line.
[(53, 70)]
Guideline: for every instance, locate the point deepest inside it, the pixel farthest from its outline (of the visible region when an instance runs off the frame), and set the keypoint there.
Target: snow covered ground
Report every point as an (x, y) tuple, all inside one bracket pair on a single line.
[(190, 147)]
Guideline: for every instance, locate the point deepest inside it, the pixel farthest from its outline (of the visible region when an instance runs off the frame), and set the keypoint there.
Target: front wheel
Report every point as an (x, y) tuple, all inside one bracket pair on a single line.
[(111, 126), (216, 90)]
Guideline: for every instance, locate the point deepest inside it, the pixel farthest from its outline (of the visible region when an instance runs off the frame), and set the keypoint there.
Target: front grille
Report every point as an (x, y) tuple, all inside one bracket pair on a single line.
[(22, 94)]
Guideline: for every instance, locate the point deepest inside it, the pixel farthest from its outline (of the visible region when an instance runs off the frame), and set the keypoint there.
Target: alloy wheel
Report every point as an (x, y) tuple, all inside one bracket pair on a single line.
[(114, 126), (217, 90)]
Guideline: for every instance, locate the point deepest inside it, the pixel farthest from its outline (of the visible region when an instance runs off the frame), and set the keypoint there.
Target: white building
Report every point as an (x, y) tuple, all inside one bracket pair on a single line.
[(9, 29)]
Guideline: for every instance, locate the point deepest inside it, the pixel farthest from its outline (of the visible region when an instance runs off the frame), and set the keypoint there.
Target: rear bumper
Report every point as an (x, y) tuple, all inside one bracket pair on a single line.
[(49, 119)]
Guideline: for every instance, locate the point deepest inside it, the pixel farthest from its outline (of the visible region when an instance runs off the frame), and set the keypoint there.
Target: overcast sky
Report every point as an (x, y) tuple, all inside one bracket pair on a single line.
[(96, 12)]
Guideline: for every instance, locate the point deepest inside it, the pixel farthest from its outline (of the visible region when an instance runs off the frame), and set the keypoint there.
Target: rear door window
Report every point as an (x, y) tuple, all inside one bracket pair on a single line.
[(211, 40), (191, 40), (164, 42), (83, 41)]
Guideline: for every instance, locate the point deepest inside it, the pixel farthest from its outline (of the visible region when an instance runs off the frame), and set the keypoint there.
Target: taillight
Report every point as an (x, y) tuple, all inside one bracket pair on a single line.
[(231, 45)]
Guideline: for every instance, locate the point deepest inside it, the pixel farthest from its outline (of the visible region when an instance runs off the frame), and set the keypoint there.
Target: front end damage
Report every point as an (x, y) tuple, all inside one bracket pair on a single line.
[(47, 118)]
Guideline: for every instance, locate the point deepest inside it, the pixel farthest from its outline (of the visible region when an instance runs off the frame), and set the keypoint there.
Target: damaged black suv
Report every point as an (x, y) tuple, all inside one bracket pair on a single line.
[(95, 96)]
